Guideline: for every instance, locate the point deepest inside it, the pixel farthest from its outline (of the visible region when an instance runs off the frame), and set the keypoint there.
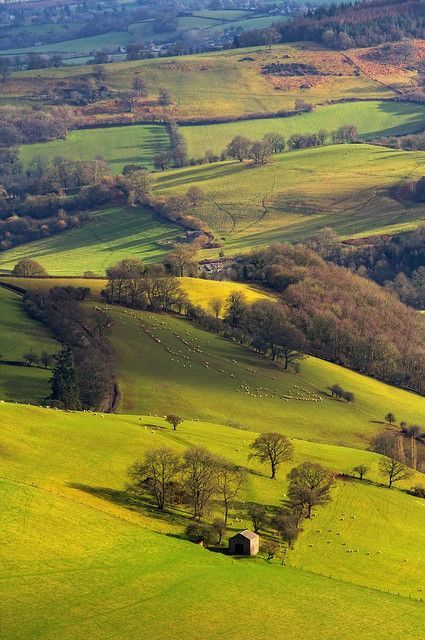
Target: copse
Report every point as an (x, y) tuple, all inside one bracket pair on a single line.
[(28, 268), (272, 448)]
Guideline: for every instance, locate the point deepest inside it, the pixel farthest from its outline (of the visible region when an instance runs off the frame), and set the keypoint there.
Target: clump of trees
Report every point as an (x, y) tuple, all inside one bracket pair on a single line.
[(83, 372), (339, 315), (341, 394), (396, 262), (28, 268), (195, 480), (134, 284)]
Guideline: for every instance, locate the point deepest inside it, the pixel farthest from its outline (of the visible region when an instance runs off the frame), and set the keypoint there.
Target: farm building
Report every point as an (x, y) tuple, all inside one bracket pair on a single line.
[(245, 543)]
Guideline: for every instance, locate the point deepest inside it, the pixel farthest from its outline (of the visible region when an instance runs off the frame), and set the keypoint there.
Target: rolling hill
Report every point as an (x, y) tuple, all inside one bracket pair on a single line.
[(18, 335), (372, 118), (112, 234), (87, 561), (346, 187)]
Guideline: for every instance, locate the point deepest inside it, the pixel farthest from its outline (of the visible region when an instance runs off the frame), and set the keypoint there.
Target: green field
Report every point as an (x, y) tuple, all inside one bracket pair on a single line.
[(157, 378), (299, 192), (77, 45), (113, 234), (374, 118), (18, 335), (138, 144), (85, 562)]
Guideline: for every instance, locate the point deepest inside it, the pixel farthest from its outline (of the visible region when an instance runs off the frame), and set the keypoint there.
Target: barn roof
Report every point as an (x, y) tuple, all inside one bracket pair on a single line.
[(246, 533)]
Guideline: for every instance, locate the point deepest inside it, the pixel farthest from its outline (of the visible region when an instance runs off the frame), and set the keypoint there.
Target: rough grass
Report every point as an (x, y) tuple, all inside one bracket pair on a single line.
[(198, 375), (346, 187), (138, 144), (86, 561), (373, 118), (228, 83), (113, 234)]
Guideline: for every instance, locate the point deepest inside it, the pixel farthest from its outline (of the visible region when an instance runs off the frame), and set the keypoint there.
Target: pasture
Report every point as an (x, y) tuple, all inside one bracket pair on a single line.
[(182, 369), (372, 119), (229, 83), (346, 187), (112, 234), (138, 144), (83, 555), (18, 335)]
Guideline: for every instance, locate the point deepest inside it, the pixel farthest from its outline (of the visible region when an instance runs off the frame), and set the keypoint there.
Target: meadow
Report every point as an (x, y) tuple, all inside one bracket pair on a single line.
[(87, 561), (18, 335), (372, 119), (229, 83), (183, 369), (346, 187), (138, 144), (112, 234)]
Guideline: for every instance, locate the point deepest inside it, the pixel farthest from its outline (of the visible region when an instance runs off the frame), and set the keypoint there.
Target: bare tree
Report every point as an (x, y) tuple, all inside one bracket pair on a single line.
[(216, 305), (258, 516), (156, 475), (361, 470), (229, 480), (273, 448), (309, 486), (394, 470), (200, 479)]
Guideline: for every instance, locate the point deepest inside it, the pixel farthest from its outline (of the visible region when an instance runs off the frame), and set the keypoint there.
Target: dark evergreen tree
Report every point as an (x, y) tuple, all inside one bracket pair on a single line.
[(64, 380)]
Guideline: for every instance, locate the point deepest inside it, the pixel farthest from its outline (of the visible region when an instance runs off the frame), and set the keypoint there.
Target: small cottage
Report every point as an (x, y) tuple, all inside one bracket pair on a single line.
[(245, 543)]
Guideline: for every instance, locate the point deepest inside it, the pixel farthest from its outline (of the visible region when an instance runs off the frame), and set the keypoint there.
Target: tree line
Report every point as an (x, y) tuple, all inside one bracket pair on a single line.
[(83, 371)]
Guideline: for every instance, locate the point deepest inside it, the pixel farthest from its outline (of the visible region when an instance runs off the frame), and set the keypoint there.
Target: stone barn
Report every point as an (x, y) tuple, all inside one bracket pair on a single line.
[(245, 543)]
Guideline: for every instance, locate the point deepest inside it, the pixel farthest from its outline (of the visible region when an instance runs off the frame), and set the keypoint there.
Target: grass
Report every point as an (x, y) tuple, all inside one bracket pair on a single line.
[(138, 144), (374, 118), (346, 187), (228, 83), (77, 45), (190, 369), (87, 561), (113, 234), (18, 335), (200, 291)]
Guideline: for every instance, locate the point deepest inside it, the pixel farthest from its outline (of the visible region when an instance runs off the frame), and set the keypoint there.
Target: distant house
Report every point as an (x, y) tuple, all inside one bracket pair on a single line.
[(245, 543)]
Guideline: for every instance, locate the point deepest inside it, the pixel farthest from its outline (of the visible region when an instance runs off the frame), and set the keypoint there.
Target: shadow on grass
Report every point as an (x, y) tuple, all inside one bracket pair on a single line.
[(124, 499)]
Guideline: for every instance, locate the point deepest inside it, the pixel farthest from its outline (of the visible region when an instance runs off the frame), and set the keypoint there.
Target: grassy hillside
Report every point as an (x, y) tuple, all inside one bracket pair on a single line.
[(230, 83), (87, 562), (300, 192), (165, 365), (113, 234), (18, 335), (372, 118), (138, 144)]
